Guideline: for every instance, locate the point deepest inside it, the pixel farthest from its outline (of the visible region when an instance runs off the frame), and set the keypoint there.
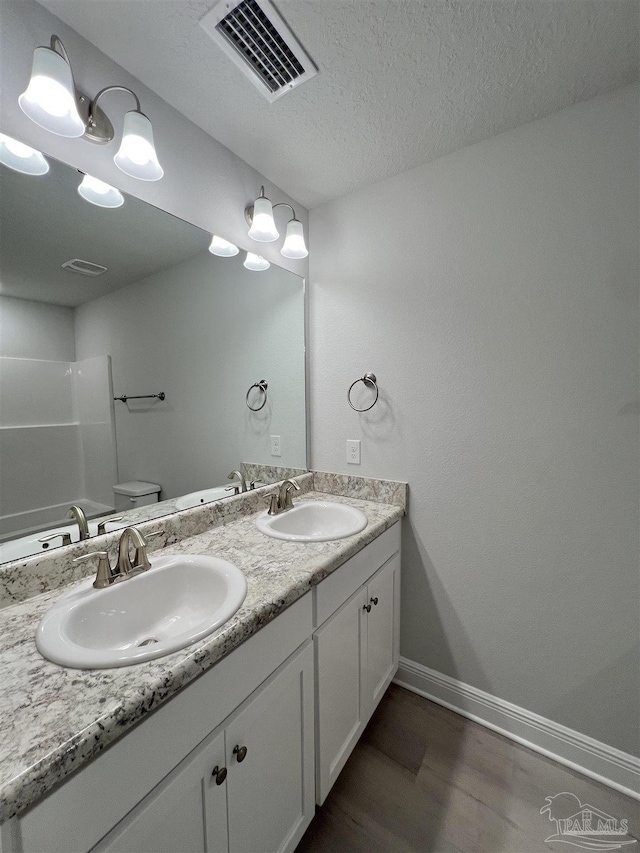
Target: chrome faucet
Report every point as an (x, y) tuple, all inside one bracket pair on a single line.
[(237, 475), (124, 568), (281, 501), (77, 513)]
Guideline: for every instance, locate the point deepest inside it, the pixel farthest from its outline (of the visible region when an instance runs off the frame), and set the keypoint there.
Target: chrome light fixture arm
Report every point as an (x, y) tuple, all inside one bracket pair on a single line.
[(99, 128), (55, 43), (285, 204)]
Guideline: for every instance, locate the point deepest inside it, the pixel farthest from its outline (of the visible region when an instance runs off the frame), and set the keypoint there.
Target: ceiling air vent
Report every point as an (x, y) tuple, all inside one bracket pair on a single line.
[(83, 267), (256, 38)]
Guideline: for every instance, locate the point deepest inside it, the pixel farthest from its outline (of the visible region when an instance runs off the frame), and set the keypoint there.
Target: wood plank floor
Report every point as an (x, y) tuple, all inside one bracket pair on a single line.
[(423, 778)]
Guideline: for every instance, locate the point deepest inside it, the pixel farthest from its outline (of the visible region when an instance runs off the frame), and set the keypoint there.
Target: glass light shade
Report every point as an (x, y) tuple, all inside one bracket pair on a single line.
[(263, 227), (50, 98), (137, 154), (255, 262), (21, 158), (99, 193), (293, 246), (222, 248)]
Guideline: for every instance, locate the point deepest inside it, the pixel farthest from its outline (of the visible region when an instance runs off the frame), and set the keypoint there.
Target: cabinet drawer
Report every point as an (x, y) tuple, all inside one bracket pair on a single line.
[(339, 586)]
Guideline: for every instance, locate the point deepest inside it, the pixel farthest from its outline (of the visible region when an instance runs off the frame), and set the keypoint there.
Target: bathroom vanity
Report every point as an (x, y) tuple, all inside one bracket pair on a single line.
[(262, 716)]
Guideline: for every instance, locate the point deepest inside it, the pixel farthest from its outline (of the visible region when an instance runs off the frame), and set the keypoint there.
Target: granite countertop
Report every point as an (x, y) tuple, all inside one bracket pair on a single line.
[(54, 720)]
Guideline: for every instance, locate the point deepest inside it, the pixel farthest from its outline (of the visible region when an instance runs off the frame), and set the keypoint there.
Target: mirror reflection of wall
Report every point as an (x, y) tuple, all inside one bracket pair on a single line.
[(166, 316)]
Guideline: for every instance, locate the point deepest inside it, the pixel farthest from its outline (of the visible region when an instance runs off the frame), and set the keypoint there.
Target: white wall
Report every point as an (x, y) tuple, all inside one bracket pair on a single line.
[(202, 332), (494, 292), (204, 183), (36, 330)]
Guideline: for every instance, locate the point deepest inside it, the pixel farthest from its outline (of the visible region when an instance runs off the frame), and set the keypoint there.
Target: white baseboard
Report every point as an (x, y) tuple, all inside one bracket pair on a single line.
[(601, 762)]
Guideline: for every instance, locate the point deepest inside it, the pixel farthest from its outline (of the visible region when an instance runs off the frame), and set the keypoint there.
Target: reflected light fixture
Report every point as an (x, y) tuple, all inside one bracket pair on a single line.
[(222, 247), (21, 158), (97, 192), (53, 102), (259, 217), (255, 262)]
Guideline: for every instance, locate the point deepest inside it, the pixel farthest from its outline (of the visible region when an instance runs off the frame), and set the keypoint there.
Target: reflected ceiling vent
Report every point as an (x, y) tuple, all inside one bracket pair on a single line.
[(84, 267), (255, 37)]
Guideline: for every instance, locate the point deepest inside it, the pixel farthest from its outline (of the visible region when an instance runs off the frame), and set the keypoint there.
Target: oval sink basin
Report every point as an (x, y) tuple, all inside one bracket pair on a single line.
[(203, 497), (179, 600), (313, 521)]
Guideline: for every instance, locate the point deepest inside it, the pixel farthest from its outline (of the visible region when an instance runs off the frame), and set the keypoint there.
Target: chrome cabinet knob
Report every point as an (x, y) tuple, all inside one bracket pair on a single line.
[(219, 774), (374, 601), (240, 752), (367, 607)]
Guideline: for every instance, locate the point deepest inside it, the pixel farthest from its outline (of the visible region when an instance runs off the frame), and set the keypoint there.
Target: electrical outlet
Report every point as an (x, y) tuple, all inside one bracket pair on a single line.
[(276, 446), (353, 451)]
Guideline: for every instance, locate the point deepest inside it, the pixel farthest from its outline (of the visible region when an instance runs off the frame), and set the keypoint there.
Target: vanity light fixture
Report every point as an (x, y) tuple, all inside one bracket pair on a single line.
[(21, 158), (50, 98), (222, 248), (53, 102), (97, 192), (259, 216), (255, 262)]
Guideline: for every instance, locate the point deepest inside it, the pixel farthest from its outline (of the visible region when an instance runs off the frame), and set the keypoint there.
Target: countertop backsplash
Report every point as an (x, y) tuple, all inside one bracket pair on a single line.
[(22, 579)]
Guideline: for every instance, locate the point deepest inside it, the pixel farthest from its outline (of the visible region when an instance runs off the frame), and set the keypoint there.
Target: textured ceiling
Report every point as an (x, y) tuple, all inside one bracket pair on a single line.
[(401, 82)]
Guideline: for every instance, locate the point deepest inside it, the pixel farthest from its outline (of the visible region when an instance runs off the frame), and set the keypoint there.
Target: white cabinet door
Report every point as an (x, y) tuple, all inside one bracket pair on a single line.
[(356, 658), (382, 633), (270, 746), (186, 812), (340, 649)]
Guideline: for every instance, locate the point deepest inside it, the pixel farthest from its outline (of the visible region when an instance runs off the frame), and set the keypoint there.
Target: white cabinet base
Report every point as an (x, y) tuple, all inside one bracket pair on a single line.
[(267, 799), (356, 651)]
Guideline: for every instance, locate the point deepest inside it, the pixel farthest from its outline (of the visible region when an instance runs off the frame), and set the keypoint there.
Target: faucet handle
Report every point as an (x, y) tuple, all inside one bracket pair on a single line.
[(105, 576), (66, 538), (274, 504), (288, 487), (102, 525), (141, 559), (234, 489)]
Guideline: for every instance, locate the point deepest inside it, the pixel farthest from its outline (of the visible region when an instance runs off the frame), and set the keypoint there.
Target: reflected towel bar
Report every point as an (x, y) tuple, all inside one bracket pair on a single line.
[(124, 397)]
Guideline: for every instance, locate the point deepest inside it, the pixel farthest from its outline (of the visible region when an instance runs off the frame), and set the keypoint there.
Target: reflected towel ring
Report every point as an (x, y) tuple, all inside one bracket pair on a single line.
[(368, 379), (262, 386)]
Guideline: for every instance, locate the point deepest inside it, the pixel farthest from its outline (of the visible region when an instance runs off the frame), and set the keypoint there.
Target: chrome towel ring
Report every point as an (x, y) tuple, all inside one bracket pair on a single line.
[(368, 379), (262, 386)]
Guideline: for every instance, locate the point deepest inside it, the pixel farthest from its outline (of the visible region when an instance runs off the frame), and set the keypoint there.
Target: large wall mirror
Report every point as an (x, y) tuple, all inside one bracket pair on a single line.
[(162, 316)]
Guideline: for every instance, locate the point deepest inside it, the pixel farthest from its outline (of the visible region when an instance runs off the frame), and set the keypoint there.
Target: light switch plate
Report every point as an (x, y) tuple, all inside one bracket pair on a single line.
[(276, 446), (353, 451)]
